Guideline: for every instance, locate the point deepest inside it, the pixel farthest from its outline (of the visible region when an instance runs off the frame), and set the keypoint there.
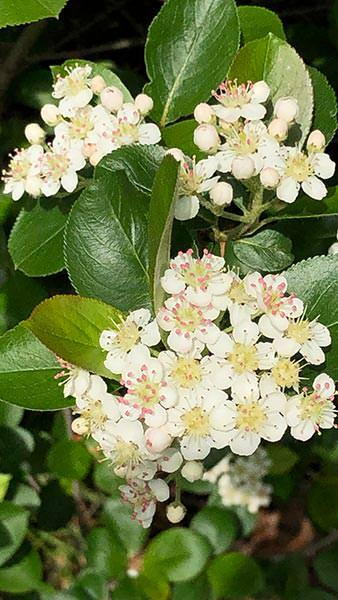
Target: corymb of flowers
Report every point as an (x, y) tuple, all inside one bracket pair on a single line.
[(228, 376)]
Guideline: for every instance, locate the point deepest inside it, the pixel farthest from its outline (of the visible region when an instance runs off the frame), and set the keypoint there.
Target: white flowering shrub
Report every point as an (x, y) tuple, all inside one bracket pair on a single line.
[(194, 347)]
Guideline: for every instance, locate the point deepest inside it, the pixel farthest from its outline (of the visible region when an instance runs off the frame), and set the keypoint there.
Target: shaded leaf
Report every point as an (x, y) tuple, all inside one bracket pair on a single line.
[(256, 22)]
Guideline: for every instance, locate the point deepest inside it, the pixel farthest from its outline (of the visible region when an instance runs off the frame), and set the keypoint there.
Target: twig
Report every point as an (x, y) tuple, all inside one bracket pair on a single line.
[(119, 45)]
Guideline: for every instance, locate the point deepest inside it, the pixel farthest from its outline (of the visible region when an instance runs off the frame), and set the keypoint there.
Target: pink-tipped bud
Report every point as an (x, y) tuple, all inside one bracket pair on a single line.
[(192, 471), (79, 426), (144, 103), (206, 138), (33, 186), (34, 133), (111, 98), (50, 114), (286, 108), (97, 84), (269, 177), (316, 141), (203, 113), (243, 167), (176, 512), (157, 439), (278, 129), (222, 193), (176, 153)]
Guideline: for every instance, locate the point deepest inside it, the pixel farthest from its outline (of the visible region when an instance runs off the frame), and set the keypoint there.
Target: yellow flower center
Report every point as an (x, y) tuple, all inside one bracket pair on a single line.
[(300, 332), (188, 317), (313, 407), (189, 181), (196, 274), (19, 168), (250, 417), (126, 130), (286, 372), (237, 293), (187, 372), (146, 392), (56, 165), (128, 335), (81, 125), (93, 415), (126, 453), (196, 422), (232, 95), (299, 167), (243, 358), (75, 83)]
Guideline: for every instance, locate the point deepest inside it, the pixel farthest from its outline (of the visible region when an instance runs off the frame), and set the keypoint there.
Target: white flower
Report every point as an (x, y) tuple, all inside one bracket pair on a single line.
[(143, 496), (73, 89), (245, 100), (202, 279), (200, 421), (24, 165), (195, 178), (148, 395), (96, 407), (206, 138), (308, 412), (303, 336), (124, 444), (77, 380), (187, 323), (78, 130), (137, 328), (286, 108), (176, 512), (59, 169)]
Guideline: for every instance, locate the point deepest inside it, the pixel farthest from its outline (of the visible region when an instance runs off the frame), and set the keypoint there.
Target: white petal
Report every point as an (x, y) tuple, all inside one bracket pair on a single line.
[(227, 114), (303, 431), (314, 188), (320, 334), (179, 342), (323, 165), (157, 417), (69, 181), (286, 346), (246, 332), (151, 334), (223, 345), (253, 112), (325, 385), (313, 353), (288, 190), (172, 282), (194, 447), (275, 428), (160, 489), (245, 443), (186, 207), (149, 133)]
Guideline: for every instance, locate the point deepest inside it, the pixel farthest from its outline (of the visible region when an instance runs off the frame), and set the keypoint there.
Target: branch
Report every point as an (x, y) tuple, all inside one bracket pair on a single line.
[(119, 45)]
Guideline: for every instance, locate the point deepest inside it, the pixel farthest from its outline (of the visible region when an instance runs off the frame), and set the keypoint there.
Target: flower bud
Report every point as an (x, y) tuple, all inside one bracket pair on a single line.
[(286, 108), (269, 177), (334, 248), (176, 153), (192, 471), (222, 193), (144, 103), (157, 439), (97, 84), (95, 158), (260, 91), (34, 133), (33, 186), (316, 141), (203, 113), (206, 138), (278, 129), (175, 512), (50, 114), (79, 426), (88, 149), (111, 98), (243, 167)]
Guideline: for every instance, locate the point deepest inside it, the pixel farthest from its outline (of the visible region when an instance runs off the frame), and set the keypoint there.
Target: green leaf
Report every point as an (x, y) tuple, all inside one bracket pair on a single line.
[(26, 11), (307, 208), (97, 69), (89, 586), (315, 281), (27, 372), (198, 589), (325, 105), (317, 594), (36, 240), (235, 575), (161, 216), (117, 519), (106, 243), (71, 327), (325, 565), (267, 251), (16, 445), (323, 502), (179, 554), (56, 508), (218, 525), (283, 459), (106, 480), (13, 528), (181, 135), (190, 46), (105, 555), (5, 479), (273, 60), (10, 415), (23, 576), (69, 459), (19, 296), (256, 22), (140, 164)]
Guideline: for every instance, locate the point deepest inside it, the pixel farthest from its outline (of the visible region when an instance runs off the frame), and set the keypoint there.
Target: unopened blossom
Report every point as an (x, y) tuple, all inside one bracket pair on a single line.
[(24, 165), (206, 138), (176, 512), (194, 179), (192, 470), (34, 133), (143, 496), (222, 193), (95, 408), (74, 89), (111, 98), (59, 169), (137, 328), (286, 108), (306, 337), (245, 100), (312, 410)]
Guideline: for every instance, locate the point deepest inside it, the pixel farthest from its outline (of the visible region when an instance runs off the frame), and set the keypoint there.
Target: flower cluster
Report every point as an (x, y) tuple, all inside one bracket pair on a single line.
[(90, 120), (229, 378), (240, 480)]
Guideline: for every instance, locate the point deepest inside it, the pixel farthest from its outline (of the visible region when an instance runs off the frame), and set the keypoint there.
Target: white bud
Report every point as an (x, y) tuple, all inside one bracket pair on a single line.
[(111, 98), (97, 84), (206, 138), (286, 108), (157, 439), (88, 149), (333, 249), (95, 158), (316, 141), (192, 471), (222, 193), (176, 153), (144, 103), (79, 426), (34, 133), (175, 512), (50, 114), (278, 129), (33, 186), (203, 113), (260, 91), (243, 167), (269, 177)]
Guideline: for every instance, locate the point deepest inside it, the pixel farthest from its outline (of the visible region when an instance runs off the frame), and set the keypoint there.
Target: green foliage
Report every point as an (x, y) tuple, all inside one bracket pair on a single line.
[(181, 135), (256, 22), (117, 519), (23, 576), (283, 459), (185, 59), (235, 575), (218, 525), (105, 555), (69, 459), (325, 565), (322, 502), (23, 11), (325, 105), (13, 527), (267, 251)]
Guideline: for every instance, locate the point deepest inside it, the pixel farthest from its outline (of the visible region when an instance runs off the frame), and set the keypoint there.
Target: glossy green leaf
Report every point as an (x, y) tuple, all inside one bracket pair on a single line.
[(198, 589), (26, 11), (117, 519), (5, 479), (161, 215), (105, 555), (27, 372), (106, 243), (179, 554), (323, 502), (273, 60), (19, 295), (235, 575), (283, 459), (106, 480), (325, 105), (185, 58), (267, 251), (181, 135), (218, 525), (256, 22), (10, 415), (13, 528), (325, 565), (69, 459)]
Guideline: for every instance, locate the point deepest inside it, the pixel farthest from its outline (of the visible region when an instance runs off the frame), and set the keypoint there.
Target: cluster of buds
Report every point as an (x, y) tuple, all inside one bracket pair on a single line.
[(230, 377), (90, 121)]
